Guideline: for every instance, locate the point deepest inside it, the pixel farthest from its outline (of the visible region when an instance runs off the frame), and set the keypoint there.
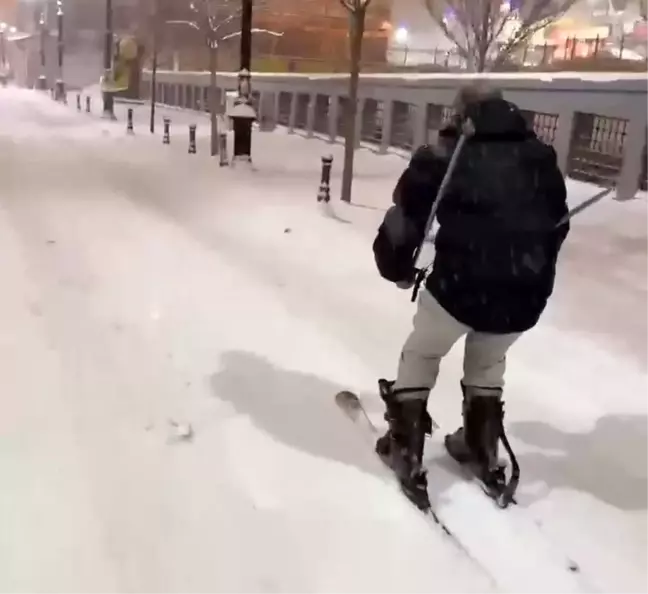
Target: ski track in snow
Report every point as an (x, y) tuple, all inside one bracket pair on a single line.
[(143, 286)]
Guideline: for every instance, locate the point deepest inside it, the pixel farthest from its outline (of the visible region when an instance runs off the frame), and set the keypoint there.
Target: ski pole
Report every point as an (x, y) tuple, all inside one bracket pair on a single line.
[(583, 205), (467, 131)]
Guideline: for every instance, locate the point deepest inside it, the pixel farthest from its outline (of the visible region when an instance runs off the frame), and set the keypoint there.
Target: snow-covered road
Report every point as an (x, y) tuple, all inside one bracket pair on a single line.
[(142, 287)]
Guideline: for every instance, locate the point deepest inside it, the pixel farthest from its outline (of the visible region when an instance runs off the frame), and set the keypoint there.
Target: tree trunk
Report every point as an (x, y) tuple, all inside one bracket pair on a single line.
[(483, 33), (356, 30), (482, 45), (213, 99), (481, 59)]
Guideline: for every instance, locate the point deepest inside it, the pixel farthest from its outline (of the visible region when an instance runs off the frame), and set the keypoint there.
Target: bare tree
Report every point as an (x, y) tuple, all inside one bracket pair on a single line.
[(487, 32), (216, 21), (357, 19)]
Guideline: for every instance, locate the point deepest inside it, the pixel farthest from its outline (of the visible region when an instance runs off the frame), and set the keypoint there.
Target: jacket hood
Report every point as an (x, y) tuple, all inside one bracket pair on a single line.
[(493, 119)]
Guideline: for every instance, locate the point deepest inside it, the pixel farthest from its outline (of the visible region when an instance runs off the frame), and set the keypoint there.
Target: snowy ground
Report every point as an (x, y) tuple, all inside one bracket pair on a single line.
[(142, 285)]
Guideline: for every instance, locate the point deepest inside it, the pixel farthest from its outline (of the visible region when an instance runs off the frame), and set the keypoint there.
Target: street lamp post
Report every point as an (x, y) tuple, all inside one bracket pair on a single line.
[(60, 85), (3, 54), (242, 112), (154, 50), (401, 36), (3, 47), (4, 61), (108, 97), (42, 79)]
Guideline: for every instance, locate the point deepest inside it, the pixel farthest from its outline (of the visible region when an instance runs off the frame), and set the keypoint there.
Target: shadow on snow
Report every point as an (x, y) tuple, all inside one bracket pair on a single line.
[(298, 408)]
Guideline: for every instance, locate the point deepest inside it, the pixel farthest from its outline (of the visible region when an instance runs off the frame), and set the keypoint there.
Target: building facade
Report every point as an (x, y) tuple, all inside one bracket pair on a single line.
[(8, 11), (315, 35), (304, 36)]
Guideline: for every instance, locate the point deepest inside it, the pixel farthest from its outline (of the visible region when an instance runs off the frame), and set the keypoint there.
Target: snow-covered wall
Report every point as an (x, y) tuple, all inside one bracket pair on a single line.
[(596, 122)]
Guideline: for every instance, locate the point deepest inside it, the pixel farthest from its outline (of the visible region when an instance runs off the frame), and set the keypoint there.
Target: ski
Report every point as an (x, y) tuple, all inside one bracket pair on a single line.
[(352, 407), (507, 544), (492, 491)]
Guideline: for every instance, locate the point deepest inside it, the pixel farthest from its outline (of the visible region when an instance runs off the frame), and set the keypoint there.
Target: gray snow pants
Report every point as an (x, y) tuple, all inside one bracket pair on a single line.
[(434, 334)]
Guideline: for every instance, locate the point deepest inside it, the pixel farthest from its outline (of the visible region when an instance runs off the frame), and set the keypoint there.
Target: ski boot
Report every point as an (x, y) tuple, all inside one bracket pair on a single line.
[(476, 443), (401, 448)]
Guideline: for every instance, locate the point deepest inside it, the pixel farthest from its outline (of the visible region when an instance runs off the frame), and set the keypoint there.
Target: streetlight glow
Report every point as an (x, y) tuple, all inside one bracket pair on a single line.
[(401, 35)]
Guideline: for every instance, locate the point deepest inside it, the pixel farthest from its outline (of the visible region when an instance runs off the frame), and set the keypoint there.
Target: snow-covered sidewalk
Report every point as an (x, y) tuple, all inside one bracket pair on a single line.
[(144, 287)]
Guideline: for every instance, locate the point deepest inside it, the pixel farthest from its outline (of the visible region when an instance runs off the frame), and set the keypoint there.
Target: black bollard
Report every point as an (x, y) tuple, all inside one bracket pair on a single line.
[(88, 104), (78, 101), (222, 150), (129, 120), (166, 139), (192, 139), (324, 193)]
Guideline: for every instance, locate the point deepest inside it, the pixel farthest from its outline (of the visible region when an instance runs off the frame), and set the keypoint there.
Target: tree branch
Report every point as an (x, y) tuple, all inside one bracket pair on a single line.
[(229, 19), (191, 24), (463, 49), (254, 30), (355, 6), (481, 23)]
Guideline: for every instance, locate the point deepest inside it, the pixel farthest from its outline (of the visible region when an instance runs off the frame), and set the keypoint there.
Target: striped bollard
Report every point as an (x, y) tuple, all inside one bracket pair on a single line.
[(192, 139), (129, 125), (222, 150), (166, 139), (324, 193)]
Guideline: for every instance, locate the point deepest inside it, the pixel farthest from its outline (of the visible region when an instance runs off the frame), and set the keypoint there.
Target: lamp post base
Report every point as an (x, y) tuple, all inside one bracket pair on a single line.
[(59, 92), (109, 106), (242, 150), (242, 115)]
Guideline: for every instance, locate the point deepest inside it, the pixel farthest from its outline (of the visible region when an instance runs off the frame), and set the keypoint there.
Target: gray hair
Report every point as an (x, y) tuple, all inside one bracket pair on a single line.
[(475, 93)]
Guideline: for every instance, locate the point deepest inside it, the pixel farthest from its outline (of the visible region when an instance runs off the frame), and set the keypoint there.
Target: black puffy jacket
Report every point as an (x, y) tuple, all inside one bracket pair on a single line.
[(497, 245)]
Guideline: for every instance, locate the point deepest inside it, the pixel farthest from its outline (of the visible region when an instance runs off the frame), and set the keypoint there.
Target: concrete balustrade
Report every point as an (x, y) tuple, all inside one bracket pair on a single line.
[(596, 123)]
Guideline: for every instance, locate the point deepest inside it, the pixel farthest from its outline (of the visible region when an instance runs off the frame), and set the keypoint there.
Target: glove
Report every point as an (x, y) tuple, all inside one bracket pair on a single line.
[(405, 284), (409, 282)]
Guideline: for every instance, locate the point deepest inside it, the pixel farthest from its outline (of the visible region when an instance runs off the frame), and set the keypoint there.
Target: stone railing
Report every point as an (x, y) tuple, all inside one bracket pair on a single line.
[(596, 123)]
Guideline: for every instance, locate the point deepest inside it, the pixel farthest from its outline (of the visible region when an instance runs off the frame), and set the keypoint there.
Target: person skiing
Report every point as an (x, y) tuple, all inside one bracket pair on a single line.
[(493, 271)]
